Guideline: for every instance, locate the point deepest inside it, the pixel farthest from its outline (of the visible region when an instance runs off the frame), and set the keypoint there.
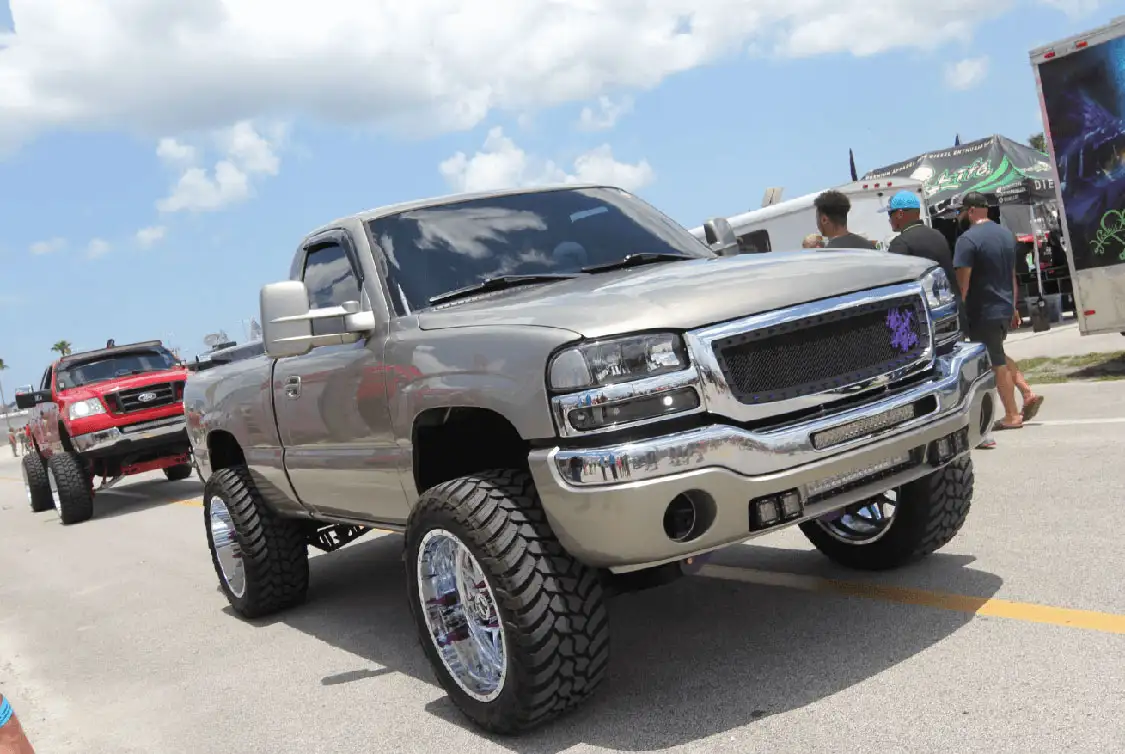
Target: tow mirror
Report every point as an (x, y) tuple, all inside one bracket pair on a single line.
[(33, 399), (287, 320), (720, 237)]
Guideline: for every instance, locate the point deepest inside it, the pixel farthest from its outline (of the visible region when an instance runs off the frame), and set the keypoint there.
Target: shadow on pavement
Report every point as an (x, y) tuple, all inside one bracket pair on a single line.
[(127, 498), (690, 660)]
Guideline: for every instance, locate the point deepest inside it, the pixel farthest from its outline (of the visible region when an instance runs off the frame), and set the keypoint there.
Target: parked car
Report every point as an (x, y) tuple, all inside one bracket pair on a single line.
[(112, 412), (586, 400)]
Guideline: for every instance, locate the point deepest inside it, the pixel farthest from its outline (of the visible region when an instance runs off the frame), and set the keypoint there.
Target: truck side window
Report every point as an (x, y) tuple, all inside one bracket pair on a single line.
[(46, 383), (330, 281)]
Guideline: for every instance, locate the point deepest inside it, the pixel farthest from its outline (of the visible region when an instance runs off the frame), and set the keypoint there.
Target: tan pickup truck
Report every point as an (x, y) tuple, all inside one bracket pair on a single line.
[(558, 394)]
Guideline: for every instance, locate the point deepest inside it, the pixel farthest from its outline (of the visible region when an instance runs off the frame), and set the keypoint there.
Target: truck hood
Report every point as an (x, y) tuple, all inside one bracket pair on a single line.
[(680, 295), (124, 383)]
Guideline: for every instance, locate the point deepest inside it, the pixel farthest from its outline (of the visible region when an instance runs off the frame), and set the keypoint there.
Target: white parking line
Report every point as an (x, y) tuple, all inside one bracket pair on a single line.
[(1066, 422)]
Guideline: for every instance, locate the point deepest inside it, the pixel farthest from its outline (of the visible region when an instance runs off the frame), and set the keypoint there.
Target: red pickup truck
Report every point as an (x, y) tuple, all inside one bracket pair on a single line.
[(113, 412)]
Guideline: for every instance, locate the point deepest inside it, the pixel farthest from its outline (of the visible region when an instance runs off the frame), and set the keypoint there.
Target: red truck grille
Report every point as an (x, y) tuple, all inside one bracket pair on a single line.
[(142, 398)]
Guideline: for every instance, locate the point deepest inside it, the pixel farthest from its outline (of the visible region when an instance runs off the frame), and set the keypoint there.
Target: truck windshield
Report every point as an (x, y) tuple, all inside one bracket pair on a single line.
[(434, 250), (118, 365)]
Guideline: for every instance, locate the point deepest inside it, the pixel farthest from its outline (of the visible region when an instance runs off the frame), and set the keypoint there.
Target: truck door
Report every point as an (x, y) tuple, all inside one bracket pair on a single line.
[(44, 417), (340, 450)]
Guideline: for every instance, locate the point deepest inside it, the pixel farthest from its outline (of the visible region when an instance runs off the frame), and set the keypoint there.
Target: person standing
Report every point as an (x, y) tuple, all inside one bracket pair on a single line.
[(13, 740), (985, 262), (812, 241), (832, 209), (12, 442)]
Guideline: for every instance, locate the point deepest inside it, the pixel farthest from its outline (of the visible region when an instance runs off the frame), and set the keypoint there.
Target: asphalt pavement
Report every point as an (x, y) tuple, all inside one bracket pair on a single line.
[(115, 639)]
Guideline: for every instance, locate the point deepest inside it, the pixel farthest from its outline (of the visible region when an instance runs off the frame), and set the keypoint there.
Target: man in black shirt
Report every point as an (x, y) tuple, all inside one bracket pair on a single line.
[(917, 239), (832, 209)]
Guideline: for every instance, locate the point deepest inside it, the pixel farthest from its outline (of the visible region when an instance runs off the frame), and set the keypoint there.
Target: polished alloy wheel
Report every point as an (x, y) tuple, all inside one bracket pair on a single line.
[(226, 547), (461, 615), (862, 523)]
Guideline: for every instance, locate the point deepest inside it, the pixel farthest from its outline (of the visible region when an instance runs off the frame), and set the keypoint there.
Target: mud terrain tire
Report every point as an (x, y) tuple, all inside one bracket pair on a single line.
[(76, 496), (928, 514), (37, 483), (551, 608), (273, 551)]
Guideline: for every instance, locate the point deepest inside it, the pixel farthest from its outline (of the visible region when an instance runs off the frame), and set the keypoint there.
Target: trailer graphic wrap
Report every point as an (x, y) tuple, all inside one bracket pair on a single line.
[(1084, 99)]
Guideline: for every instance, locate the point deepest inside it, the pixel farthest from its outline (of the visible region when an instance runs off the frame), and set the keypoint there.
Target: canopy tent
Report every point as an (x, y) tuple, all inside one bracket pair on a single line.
[(1010, 172)]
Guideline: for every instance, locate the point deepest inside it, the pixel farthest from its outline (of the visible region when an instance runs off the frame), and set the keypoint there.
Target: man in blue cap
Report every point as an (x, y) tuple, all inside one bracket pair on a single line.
[(917, 239)]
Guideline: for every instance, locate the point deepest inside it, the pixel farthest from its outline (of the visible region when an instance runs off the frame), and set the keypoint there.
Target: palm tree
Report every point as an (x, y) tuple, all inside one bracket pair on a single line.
[(4, 403), (62, 347)]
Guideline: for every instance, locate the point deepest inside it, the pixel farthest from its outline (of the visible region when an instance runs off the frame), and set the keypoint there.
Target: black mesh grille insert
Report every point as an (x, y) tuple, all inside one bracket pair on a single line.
[(825, 351)]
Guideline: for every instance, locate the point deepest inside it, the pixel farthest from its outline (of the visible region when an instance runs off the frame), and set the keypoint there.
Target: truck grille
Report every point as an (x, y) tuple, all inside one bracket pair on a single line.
[(824, 351), (129, 401)]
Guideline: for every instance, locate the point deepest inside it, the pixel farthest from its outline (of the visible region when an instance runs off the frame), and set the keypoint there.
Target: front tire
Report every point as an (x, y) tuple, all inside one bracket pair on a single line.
[(928, 514), (261, 559), (177, 473), (515, 628), (70, 488), (36, 482)]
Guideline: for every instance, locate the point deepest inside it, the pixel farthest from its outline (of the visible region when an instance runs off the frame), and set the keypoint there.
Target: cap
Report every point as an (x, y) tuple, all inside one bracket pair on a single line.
[(974, 199), (904, 200)]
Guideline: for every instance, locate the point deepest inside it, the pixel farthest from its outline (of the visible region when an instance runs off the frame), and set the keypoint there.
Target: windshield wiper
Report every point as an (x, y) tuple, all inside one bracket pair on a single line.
[(500, 283), (633, 260)]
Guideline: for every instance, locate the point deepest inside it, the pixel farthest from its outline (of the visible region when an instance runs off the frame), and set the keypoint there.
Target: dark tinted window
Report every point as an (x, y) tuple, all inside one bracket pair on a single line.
[(434, 250), (330, 281), (120, 365), (754, 242)]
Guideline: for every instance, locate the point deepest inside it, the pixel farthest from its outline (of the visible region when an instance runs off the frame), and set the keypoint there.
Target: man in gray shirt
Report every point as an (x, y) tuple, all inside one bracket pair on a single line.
[(832, 209), (985, 262)]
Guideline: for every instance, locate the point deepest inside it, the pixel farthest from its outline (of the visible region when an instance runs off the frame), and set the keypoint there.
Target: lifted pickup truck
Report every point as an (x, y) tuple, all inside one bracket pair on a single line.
[(113, 412), (558, 394)]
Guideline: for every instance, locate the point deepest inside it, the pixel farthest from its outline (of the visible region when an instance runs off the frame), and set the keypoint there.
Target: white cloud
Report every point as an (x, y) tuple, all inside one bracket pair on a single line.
[(501, 163), (607, 114), (166, 69), (1074, 8), (48, 247), (965, 74), (97, 248), (247, 154), (147, 237)]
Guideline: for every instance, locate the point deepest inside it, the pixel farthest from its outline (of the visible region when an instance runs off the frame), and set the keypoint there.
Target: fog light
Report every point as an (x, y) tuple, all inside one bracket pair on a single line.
[(767, 512), (790, 504)]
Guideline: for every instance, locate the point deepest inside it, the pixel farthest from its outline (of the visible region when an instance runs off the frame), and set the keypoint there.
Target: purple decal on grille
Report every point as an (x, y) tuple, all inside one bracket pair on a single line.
[(900, 322)]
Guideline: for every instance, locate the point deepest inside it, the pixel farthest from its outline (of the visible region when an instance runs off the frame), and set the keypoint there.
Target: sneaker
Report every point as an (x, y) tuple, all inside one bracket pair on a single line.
[(987, 444)]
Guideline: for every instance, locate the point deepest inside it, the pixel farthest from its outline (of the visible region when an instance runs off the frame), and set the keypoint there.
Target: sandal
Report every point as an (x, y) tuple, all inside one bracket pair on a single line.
[(1031, 408), (1000, 426)]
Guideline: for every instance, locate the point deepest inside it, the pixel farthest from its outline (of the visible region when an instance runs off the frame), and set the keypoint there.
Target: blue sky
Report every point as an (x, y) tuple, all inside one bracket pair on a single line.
[(742, 99)]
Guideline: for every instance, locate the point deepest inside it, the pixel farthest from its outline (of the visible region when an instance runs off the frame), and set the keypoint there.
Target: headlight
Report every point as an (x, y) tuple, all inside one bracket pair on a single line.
[(938, 288), (619, 360), (88, 407)]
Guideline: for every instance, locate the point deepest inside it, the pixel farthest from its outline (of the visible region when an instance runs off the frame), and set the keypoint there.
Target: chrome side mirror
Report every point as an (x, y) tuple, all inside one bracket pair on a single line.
[(287, 320)]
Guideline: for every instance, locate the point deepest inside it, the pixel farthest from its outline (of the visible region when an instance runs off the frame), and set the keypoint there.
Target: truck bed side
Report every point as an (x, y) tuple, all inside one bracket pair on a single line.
[(231, 419)]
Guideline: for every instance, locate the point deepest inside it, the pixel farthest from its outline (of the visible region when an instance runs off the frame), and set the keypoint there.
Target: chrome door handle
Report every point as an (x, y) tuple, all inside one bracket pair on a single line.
[(293, 387)]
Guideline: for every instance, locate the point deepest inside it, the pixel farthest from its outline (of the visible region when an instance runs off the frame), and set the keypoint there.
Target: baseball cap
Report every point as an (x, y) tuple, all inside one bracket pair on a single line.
[(974, 199), (903, 200)]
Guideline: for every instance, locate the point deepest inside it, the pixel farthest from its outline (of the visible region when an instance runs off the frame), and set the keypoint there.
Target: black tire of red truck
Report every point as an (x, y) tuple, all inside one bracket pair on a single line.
[(37, 483), (179, 473), (929, 512), (72, 484), (272, 551), (545, 623)]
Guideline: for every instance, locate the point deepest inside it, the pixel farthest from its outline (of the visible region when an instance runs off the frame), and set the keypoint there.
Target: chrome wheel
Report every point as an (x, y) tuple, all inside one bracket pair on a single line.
[(461, 615), (54, 489), (862, 523), (227, 551)]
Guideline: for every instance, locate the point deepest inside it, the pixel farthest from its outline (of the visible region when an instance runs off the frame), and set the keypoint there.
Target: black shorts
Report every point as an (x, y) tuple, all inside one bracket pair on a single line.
[(991, 333)]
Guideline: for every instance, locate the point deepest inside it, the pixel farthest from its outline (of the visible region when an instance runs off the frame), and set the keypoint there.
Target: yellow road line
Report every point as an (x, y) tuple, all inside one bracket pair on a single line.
[(1089, 620)]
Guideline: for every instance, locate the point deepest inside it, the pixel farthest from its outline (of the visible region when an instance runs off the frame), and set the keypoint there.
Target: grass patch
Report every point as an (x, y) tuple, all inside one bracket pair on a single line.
[(1093, 367)]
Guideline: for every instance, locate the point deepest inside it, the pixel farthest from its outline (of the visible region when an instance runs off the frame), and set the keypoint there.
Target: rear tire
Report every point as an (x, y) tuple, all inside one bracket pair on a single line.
[(536, 614), (928, 514), (36, 482), (177, 473), (260, 558), (71, 485)]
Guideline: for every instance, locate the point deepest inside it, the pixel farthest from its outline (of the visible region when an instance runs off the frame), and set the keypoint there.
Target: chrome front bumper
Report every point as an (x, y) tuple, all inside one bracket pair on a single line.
[(606, 504), (132, 437)]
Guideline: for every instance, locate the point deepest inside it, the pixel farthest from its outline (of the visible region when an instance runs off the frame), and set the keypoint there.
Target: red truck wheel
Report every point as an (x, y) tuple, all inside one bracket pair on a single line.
[(36, 483), (70, 485)]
